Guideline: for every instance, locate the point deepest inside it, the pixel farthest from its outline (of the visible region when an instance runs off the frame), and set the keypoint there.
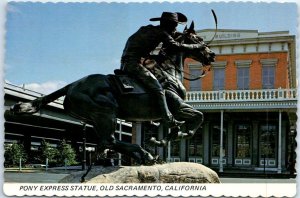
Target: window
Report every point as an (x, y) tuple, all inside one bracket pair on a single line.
[(196, 145), (216, 141), (267, 141), (243, 141), (243, 73), (268, 73), (243, 77), (195, 71), (195, 85), (219, 78), (175, 148), (268, 77)]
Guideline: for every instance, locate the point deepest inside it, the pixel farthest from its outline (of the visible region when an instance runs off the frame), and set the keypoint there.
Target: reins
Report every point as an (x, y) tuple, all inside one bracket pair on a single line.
[(177, 68)]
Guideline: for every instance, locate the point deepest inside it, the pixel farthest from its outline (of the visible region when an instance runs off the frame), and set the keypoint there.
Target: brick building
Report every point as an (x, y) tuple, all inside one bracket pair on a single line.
[(248, 100)]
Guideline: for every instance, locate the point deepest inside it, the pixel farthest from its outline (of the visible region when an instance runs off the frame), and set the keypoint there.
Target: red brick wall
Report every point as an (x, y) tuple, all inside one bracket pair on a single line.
[(281, 71)]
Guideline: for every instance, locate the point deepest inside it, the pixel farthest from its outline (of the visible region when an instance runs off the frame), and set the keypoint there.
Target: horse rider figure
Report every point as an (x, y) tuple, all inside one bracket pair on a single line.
[(145, 40)]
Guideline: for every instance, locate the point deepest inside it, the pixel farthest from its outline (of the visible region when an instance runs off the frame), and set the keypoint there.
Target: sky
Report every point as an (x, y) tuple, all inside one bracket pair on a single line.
[(49, 45)]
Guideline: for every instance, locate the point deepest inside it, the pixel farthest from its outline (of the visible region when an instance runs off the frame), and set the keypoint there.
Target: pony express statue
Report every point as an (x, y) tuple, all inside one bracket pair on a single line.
[(99, 99)]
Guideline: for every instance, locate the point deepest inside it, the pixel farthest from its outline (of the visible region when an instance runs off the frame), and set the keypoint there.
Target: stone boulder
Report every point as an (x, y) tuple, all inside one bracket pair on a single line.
[(177, 172)]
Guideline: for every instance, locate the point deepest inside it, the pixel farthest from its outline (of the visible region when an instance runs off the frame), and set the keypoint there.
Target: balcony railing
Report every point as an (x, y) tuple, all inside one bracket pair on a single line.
[(242, 95)]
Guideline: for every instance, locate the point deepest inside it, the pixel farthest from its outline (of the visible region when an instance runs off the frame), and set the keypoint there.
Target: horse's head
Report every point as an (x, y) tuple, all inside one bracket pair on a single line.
[(205, 55)]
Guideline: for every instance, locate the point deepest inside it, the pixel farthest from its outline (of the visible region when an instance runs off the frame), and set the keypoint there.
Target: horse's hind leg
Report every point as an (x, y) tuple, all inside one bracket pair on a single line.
[(105, 124), (133, 150), (101, 111)]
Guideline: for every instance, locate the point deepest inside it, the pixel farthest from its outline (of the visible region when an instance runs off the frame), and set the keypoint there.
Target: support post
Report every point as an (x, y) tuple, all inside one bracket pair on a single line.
[(84, 147), (279, 143), (160, 150), (169, 149), (221, 144), (20, 164), (47, 163), (120, 138), (138, 129)]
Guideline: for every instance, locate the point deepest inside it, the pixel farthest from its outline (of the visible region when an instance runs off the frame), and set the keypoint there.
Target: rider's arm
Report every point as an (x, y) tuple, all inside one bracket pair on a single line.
[(170, 43)]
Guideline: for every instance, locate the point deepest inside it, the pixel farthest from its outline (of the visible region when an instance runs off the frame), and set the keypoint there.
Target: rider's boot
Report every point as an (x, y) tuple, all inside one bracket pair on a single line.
[(168, 118)]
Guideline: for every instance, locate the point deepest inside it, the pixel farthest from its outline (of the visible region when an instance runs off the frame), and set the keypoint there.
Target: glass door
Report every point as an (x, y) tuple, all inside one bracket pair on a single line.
[(195, 146), (243, 145), (268, 145), (215, 144)]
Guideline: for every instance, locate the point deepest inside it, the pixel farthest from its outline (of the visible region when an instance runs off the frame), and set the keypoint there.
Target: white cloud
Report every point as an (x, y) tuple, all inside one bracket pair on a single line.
[(46, 87)]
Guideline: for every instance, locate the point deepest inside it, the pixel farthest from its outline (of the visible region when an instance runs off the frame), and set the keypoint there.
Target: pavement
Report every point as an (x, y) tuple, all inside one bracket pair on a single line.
[(258, 180), (54, 176)]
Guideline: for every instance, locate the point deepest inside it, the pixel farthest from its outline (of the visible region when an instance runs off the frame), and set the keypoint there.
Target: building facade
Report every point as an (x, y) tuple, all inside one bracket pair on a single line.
[(52, 124), (249, 102)]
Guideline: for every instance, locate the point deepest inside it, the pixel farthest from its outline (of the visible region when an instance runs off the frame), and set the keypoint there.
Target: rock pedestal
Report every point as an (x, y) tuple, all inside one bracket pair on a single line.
[(177, 172)]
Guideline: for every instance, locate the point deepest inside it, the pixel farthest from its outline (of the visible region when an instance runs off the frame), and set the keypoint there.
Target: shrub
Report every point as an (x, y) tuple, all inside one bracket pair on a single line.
[(65, 151), (13, 153), (47, 151)]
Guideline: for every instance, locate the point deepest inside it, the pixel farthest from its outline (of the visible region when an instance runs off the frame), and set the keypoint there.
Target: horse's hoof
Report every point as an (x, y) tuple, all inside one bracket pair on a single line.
[(160, 143), (149, 157), (163, 143), (153, 160), (155, 123)]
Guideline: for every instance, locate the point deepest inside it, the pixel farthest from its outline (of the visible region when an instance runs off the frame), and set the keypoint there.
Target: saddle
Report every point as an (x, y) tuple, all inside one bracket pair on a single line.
[(125, 84)]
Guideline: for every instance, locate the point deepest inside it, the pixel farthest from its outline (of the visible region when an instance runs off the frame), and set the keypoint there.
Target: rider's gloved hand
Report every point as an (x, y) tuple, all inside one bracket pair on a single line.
[(201, 46)]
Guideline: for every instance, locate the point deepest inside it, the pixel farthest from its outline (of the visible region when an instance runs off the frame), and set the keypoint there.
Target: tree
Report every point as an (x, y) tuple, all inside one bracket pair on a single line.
[(13, 154), (47, 151), (66, 152)]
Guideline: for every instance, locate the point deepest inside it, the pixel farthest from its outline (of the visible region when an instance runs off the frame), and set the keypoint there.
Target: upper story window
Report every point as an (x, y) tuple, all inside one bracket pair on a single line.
[(219, 75), (243, 79), (195, 70), (268, 73), (219, 78)]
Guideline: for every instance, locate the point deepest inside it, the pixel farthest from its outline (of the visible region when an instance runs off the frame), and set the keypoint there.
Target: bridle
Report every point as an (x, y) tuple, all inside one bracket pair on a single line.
[(196, 39), (175, 66)]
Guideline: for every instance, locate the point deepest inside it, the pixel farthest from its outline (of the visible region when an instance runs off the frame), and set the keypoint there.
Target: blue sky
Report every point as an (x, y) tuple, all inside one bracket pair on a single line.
[(52, 44)]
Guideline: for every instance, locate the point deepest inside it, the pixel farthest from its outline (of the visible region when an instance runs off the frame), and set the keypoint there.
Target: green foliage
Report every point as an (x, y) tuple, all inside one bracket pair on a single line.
[(47, 151), (13, 153), (56, 156), (66, 152)]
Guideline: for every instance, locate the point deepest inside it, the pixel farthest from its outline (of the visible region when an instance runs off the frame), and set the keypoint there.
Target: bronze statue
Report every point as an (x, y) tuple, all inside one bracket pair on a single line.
[(99, 99), (139, 46), (169, 72)]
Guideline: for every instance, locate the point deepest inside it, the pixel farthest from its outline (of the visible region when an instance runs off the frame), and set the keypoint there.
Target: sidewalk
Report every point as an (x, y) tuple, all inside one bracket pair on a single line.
[(33, 177), (257, 180), (37, 175)]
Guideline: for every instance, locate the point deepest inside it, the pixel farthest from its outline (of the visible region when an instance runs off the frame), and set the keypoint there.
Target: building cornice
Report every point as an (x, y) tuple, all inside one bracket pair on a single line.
[(254, 106)]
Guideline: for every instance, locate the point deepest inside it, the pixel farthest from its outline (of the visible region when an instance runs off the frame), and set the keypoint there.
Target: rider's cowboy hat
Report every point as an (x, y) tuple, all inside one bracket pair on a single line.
[(170, 16)]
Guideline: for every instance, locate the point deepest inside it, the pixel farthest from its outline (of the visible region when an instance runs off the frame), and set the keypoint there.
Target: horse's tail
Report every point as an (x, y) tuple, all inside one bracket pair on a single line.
[(35, 105)]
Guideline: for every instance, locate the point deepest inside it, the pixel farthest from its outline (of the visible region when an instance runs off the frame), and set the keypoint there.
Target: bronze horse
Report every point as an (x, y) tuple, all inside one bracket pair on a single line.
[(96, 100), (171, 68)]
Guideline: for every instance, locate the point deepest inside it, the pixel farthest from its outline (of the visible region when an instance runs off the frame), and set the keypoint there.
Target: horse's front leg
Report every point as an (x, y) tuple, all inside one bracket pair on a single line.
[(135, 151), (181, 111), (174, 135)]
